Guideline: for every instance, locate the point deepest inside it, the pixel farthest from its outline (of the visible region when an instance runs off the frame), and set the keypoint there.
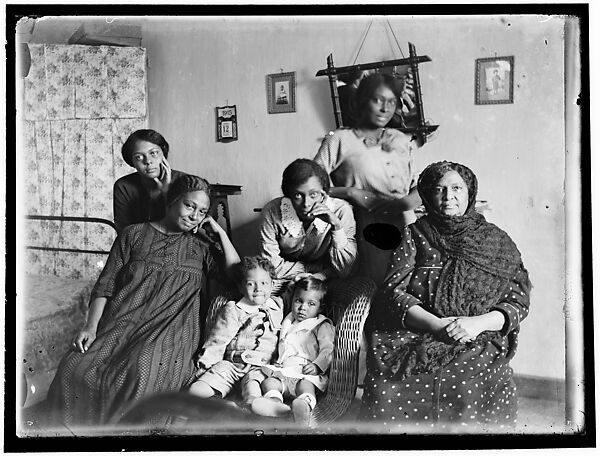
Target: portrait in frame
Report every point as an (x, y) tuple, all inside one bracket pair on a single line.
[(494, 79), (281, 92)]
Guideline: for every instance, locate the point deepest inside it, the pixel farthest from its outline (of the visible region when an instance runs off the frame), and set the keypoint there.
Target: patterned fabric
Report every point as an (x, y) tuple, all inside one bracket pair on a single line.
[(449, 266), (293, 249), (235, 329), (383, 166), (475, 385), (73, 131), (149, 330)]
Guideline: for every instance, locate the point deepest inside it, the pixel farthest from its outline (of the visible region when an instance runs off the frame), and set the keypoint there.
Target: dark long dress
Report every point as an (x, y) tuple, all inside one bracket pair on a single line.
[(149, 330), (471, 387)]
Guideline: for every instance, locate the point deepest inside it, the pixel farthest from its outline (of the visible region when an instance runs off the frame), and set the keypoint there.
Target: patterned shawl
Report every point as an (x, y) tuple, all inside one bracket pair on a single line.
[(480, 260)]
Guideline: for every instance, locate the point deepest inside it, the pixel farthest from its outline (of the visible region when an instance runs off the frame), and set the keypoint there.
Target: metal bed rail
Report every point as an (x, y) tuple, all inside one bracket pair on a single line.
[(65, 218)]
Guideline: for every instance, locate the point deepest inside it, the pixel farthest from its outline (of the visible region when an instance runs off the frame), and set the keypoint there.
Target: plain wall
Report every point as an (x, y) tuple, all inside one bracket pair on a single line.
[(516, 150)]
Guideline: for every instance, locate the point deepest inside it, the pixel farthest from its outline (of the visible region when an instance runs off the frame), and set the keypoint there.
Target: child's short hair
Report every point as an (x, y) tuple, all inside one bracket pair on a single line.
[(253, 262), (312, 283)]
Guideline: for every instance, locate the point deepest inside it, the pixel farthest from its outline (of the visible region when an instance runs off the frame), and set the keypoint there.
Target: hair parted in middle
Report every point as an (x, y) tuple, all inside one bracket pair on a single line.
[(312, 283), (299, 171), (370, 83), (186, 183)]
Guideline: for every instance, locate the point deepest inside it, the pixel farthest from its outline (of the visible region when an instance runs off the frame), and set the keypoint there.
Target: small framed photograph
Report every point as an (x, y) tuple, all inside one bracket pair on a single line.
[(227, 123), (281, 92), (494, 79)]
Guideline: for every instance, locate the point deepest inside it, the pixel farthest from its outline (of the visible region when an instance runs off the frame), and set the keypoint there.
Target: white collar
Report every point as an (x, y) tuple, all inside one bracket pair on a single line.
[(289, 324), (292, 222), (249, 307)]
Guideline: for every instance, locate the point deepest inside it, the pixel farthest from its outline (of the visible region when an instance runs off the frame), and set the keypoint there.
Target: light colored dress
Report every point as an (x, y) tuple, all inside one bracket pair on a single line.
[(302, 343), (384, 167), (292, 249)]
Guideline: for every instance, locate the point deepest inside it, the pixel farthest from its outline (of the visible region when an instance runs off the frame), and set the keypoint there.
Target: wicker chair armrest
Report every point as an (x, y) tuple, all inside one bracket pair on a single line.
[(343, 372)]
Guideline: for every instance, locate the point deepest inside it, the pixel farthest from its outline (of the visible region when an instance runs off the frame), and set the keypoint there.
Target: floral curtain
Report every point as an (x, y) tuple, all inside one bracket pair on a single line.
[(80, 104)]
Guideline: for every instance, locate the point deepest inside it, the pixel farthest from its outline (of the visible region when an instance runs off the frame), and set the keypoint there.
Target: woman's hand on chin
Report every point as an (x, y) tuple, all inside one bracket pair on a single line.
[(323, 212), (164, 181), (212, 223)]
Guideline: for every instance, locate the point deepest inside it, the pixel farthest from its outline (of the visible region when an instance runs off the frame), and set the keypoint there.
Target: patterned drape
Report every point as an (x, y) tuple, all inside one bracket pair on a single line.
[(80, 104)]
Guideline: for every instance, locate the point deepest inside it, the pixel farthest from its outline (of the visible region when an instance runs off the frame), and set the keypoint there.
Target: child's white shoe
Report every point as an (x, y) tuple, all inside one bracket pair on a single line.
[(270, 406), (301, 408)]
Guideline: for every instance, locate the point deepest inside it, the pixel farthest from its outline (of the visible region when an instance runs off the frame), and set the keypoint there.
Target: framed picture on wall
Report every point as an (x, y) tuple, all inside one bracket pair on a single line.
[(494, 78), (281, 92)]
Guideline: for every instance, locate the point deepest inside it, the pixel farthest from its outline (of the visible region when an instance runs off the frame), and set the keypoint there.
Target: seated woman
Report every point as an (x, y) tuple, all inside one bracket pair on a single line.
[(444, 326), (140, 196), (143, 325), (371, 166), (306, 231)]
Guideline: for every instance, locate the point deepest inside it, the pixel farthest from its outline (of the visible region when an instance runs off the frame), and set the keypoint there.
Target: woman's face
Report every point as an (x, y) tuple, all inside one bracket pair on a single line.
[(188, 211), (381, 107), (305, 196), (147, 158), (450, 196)]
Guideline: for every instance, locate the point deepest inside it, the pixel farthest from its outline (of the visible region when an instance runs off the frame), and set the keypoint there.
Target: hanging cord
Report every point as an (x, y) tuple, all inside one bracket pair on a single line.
[(394, 35), (362, 42)]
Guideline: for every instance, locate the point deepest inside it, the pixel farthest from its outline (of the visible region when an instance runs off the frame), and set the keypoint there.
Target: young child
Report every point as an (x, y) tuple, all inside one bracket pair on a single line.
[(305, 352), (243, 337)]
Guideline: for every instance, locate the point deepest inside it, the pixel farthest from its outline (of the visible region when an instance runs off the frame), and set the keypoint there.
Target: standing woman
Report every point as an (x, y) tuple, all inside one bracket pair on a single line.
[(371, 167), (140, 196), (143, 326), (444, 327)]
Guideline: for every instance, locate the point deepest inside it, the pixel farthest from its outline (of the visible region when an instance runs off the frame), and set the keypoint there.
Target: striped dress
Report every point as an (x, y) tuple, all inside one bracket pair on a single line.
[(149, 331)]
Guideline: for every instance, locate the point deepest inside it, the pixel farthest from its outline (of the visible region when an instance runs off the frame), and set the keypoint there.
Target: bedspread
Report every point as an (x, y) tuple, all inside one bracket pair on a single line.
[(54, 309)]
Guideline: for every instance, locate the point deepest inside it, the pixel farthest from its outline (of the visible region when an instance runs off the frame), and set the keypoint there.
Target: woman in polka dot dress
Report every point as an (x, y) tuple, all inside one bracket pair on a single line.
[(444, 325)]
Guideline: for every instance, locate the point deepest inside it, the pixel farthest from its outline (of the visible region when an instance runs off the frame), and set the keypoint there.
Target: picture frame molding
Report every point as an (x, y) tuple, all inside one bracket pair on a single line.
[(271, 80), (480, 65)]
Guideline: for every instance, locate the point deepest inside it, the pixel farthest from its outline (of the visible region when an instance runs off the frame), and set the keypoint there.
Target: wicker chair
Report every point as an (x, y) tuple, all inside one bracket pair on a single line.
[(349, 304)]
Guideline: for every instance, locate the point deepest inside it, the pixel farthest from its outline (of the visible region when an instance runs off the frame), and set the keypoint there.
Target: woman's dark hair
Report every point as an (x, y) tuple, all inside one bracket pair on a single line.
[(299, 171), (250, 263), (370, 83), (434, 172), (186, 183), (143, 135), (312, 283)]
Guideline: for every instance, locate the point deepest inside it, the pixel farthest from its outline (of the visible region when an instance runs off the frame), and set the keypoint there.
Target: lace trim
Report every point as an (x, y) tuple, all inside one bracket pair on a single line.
[(293, 224)]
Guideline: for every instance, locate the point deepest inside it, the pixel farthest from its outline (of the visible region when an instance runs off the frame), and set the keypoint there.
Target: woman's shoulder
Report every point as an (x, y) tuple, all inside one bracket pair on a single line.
[(339, 204), (493, 231), (396, 139), (339, 134), (128, 181), (272, 206), (176, 174), (132, 232)]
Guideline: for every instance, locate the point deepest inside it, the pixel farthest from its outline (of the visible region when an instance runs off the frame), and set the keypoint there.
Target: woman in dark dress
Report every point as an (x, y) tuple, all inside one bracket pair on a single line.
[(140, 196), (143, 326), (444, 326)]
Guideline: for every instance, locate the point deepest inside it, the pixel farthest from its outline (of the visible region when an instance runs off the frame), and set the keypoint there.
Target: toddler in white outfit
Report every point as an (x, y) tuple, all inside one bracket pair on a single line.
[(304, 353)]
